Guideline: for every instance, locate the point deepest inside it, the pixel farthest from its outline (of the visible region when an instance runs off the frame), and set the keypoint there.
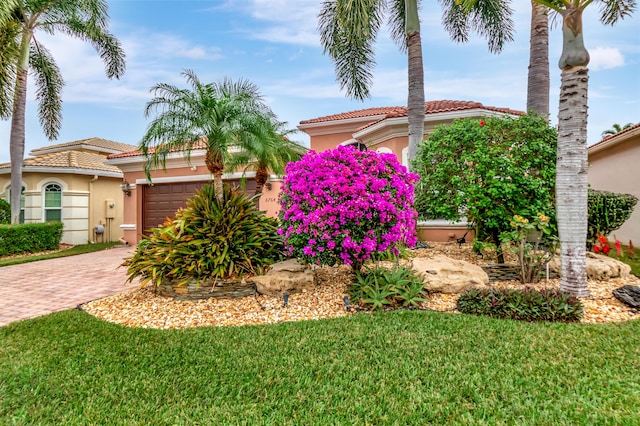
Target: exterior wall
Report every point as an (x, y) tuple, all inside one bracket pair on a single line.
[(615, 169), (83, 203)]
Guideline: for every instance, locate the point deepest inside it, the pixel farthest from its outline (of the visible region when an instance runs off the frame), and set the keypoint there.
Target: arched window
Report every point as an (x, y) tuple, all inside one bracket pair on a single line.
[(52, 203)]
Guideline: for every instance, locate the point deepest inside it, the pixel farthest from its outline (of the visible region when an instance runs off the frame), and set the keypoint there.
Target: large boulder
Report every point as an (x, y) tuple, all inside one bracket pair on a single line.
[(599, 267), (288, 277), (445, 275), (629, 294)]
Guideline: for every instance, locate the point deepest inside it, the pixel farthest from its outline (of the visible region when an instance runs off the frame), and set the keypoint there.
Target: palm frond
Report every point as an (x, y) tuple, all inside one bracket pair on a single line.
[(49, 83)]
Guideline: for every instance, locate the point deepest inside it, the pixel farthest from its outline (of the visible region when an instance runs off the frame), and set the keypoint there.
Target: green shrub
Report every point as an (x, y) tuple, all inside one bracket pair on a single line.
[(607, 212), (5, 212), (208, 239), (527, 304), (29, 237), (379, 287)]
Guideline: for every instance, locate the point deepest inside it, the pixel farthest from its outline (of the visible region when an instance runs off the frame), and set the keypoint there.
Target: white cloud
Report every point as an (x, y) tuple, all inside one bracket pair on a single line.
[(605, 58)]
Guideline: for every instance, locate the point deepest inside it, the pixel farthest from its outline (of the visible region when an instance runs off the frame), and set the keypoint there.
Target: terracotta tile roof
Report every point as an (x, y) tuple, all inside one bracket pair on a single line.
[(622, 132), (430, 107), (68, 160), (102, 145), (136, 152)]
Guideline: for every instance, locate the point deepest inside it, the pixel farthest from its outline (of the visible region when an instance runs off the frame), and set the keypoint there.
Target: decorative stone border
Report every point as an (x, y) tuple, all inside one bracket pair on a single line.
[(194, 290)]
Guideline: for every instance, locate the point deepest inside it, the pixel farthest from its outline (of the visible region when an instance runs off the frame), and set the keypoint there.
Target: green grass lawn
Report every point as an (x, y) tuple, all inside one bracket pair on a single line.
[(403, 367), (72, 251)]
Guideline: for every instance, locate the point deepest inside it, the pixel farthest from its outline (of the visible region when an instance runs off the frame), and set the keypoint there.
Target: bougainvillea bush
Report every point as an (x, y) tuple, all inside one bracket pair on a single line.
[(343, 205)]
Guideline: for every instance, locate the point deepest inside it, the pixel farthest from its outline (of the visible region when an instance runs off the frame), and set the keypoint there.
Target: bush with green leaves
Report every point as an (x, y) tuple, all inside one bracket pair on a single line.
[(208, 239), (380, 287), (487, 170), (30, 237), (527, 304), (608, 211), (5, 212)]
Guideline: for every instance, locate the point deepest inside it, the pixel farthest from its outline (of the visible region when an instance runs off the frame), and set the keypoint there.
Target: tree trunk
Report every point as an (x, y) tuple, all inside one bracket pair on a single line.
[(571, 180), (17, 137), (215, 165), (415, 102), (538, 77), (261, 179)]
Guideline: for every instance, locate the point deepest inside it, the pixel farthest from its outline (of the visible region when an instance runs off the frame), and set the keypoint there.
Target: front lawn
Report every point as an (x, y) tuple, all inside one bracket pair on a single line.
[(402, 367)]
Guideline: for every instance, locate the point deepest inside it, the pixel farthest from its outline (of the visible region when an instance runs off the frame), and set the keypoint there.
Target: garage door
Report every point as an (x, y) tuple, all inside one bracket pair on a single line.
[(162, 200)]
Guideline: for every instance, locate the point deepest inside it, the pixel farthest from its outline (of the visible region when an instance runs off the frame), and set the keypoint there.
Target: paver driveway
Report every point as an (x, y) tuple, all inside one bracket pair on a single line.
[(37, 288)]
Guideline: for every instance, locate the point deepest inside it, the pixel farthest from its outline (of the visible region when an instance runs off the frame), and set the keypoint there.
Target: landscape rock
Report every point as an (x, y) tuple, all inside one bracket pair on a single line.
[(599, 267), (629, 294), (445, 275), (288, 277)]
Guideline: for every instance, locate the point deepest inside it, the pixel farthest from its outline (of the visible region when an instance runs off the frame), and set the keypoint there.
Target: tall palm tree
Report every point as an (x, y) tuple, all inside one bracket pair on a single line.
[(6, 10), (268, 153), (616, 128), (348, 31), (83, 19), (538, 75), (218, 116), (571, 168)]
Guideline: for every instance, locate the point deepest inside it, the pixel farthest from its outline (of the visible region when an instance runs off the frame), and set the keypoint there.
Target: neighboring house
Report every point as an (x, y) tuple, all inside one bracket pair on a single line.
[(613, 166), (70, 182), (147, 204), (385, 129)]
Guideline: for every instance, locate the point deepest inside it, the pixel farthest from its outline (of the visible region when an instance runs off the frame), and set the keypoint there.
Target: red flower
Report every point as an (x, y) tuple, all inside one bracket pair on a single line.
[(481, 123), (605, 250), (618, 247), (596, 249)]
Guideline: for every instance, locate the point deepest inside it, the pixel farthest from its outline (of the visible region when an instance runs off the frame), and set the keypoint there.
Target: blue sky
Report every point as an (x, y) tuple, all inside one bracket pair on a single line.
[(274, 44)]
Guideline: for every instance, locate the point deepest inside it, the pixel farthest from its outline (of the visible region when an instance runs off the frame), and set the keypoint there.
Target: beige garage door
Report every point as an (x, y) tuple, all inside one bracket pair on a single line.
[(162, 200)]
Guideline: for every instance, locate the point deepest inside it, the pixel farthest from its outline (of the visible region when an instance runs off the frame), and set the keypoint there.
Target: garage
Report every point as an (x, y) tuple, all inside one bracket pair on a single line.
[(162, 200)]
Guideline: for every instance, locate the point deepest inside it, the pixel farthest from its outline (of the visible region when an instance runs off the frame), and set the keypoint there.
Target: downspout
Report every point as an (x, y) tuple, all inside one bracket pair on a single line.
[(91, 222)]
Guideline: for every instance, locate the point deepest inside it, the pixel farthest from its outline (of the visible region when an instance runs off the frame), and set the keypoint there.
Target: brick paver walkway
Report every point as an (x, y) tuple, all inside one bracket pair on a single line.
[(38, 288)]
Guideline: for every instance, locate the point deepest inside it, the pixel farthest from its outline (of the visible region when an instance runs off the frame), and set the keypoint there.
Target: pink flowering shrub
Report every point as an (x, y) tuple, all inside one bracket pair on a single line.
[(343, 205)]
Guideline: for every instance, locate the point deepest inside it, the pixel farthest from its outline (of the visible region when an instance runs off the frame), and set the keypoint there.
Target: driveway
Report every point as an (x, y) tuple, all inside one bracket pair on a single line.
[(38, 288)]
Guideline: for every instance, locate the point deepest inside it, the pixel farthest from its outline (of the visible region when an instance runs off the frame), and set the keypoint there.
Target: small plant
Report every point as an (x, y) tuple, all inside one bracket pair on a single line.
[(602, 245), (5, 212), (528, 304), (208, 239), (608, 211), (533, 243), (379, 287)]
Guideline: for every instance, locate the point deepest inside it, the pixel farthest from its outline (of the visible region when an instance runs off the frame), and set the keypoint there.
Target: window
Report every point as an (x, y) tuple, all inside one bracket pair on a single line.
[(53, 203)]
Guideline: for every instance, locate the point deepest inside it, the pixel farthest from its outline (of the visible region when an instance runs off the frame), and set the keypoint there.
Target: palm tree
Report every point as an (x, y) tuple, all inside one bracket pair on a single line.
[(538, 75), (571, 168), (267, 154), (83, 19), (219, 116), (6, 10), (616, 128), (348, 31)]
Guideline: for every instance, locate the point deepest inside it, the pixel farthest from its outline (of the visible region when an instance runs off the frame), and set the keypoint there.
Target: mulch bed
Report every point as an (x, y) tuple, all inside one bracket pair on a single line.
[(144, 308)]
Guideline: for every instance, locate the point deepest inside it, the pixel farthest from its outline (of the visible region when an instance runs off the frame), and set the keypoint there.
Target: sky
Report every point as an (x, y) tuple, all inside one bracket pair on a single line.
[(275, 44)]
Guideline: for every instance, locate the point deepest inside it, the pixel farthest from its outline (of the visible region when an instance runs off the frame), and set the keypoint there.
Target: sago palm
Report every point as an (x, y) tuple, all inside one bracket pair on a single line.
[(217, 117), (83, 19), (348, 31), (571, 167)]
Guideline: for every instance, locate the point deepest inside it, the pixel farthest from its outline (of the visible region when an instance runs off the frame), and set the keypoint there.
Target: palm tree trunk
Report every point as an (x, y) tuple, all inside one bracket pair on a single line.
[(17, 136), (571, 180), (415, 102), (215, 165), (261, 179), (538, 78)]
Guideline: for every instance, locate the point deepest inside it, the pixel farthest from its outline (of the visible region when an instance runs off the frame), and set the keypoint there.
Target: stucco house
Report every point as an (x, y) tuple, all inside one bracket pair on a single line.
[(613, 166), (70, 182), (148, 203), (385, 129)]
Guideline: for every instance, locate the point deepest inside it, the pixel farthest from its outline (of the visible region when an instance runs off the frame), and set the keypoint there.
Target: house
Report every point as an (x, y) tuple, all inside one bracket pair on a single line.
[(148, 203), (70, 182), (385, 130), (613, 166)]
